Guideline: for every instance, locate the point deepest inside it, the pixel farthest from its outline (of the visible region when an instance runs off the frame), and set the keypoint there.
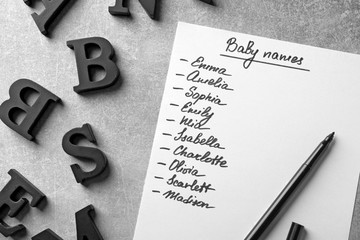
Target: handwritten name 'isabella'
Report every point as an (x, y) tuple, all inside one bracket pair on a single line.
[(211, 141)]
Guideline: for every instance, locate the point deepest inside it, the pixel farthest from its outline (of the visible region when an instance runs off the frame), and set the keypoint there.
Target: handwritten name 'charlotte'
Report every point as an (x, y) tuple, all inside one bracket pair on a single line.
[(206, 157)]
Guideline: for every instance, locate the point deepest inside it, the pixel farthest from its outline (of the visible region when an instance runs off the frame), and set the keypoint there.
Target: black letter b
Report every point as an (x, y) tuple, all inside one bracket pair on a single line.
[(84, 63), (17, 102)]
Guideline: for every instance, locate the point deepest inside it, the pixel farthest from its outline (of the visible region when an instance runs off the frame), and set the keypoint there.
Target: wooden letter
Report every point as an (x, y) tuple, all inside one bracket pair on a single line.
[(84, 153), (16, 184), (119, 9), (85, 226), (208, 1), (150, 7), (17, 102), (84, 64), (47, 234), (46, 17)]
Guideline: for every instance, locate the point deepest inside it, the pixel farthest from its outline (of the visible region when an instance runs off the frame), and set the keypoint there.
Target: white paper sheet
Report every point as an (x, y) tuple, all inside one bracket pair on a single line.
[(259, 111)]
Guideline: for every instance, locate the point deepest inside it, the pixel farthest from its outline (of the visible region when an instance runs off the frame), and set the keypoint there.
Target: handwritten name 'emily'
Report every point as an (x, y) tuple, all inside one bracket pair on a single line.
[(250, 52)]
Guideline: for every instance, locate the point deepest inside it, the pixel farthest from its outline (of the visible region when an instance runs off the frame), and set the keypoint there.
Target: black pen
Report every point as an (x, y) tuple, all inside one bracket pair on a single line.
[(294, 184)]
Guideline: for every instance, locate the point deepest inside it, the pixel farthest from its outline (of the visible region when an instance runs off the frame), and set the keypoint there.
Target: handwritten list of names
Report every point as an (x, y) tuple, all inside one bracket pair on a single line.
[(238, 116)]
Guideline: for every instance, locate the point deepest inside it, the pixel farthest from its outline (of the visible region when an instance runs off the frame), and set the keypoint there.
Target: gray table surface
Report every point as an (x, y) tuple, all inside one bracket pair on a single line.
[(124, 118)]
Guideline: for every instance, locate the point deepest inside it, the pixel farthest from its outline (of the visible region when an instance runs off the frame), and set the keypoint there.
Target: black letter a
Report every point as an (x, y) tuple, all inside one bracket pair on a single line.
[(52, 9), (85, 226)]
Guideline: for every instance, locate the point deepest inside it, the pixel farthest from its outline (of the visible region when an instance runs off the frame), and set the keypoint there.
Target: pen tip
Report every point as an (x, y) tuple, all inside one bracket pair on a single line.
[(330, 136)]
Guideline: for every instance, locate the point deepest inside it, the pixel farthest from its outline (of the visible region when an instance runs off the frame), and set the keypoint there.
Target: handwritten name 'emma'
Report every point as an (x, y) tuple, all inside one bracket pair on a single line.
[(249, 50)]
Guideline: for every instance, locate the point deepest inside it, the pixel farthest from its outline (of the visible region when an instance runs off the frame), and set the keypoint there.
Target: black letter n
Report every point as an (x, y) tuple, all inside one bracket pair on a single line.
[(18, 102), (85, 63), (150, 7)]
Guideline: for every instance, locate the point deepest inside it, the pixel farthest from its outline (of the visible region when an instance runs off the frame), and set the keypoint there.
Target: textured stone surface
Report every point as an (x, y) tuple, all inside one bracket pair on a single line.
[(124, 119)]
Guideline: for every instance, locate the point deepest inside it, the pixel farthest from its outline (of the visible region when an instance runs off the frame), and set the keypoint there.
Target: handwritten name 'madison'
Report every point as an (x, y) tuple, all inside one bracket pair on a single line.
[(189, 200)]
